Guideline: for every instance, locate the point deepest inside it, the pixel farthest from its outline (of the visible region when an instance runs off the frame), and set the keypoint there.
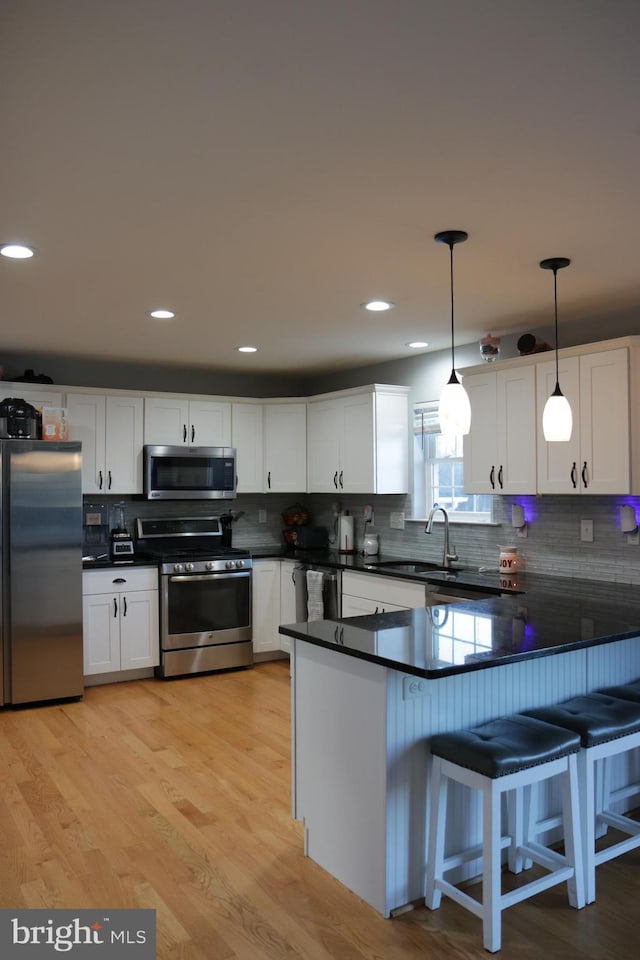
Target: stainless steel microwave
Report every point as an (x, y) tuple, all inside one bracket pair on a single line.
[(189, 473)]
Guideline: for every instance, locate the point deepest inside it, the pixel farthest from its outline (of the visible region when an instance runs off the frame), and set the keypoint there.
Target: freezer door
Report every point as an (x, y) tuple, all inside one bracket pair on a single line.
[(43, 570)]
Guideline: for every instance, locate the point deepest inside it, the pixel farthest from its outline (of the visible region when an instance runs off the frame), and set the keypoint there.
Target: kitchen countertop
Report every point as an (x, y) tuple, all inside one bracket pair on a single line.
[(550, 616)]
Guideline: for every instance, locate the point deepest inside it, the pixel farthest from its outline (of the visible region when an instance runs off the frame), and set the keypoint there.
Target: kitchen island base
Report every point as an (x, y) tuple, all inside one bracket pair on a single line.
[(361, 762)]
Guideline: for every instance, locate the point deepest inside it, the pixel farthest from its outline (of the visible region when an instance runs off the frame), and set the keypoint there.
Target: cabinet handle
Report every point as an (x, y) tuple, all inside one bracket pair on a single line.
[(341, 472), (500, 477), (574, 475), (335, 479), (193, 433), (99, 479), (492, 477), (184, 433), (584, 474), (124, 600), (115, 607), (269, 479), (119, 580), (109, 485)]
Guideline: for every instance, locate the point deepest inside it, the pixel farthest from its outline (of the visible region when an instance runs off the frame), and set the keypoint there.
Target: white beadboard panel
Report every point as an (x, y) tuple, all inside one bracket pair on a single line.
[(613, 663)]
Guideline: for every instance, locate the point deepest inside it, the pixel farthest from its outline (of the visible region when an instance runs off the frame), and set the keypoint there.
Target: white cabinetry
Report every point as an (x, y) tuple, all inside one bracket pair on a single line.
[(120, 619), (38, 397), (370, 593), (287, 599), (110, 429), (358, 441), (247, 436), (285, 447), (266, 606), (180, 421), (500, 448), (597, 457)]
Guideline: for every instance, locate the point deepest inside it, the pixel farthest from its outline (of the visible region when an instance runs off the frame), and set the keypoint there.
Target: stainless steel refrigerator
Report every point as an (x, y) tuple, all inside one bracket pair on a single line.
[(41, 563)]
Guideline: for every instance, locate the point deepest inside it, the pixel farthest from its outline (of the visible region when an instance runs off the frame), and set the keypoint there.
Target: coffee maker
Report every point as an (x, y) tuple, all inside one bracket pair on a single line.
[(95, 531), (121, 542)]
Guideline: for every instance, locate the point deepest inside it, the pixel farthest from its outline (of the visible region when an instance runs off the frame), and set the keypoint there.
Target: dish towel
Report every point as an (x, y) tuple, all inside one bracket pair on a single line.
[(315, 603)]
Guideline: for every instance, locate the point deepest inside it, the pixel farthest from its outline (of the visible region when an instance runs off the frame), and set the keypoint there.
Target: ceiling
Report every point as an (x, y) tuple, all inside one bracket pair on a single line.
[(262, 167)]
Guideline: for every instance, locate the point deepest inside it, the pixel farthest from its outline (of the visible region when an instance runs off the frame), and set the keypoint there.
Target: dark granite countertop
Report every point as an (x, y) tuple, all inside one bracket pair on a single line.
[(551, 616), (107, 564)]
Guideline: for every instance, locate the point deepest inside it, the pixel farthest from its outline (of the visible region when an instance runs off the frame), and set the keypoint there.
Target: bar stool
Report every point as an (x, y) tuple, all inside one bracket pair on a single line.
[(499, 757), (608, 727)]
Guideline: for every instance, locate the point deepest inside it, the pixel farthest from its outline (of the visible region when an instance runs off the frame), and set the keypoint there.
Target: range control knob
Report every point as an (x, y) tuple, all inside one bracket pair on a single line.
[(178, 568), (229, 564), (239, 564), (209, 565), (190, 566)]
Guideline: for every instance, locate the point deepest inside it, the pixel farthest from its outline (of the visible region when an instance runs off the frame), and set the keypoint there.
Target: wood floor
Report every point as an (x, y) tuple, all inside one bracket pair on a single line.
[(176, 796)]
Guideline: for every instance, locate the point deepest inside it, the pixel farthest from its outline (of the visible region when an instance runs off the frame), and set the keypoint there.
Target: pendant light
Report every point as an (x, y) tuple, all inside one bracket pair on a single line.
[(557, 420), (455, 410)]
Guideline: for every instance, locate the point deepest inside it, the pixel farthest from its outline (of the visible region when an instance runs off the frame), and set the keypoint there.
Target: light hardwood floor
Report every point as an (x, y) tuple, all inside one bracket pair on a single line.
[(176, 796)]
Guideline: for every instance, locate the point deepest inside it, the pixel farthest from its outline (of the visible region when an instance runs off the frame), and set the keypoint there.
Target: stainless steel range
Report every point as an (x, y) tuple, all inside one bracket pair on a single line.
[(205, 595)]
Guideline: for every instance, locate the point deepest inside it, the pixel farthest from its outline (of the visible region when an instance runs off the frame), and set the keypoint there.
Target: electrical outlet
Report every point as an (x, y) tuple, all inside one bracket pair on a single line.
[(586, 531), (262, 516), (634, 538), (396, 520)]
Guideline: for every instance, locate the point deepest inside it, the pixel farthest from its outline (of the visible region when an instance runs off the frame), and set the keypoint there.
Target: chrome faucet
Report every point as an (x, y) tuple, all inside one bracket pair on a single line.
[(447, 557)]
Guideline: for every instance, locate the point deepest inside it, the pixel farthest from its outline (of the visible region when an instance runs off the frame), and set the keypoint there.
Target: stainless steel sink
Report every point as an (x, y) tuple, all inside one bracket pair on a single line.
[(408, 566)]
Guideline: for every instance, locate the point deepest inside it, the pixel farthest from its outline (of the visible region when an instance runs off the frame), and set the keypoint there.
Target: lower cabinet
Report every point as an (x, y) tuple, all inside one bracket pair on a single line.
[(370, 593), (287, 599), (120, 619)]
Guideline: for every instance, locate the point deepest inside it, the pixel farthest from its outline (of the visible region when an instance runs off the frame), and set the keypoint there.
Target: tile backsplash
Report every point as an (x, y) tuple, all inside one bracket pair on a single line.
[(552, 545)]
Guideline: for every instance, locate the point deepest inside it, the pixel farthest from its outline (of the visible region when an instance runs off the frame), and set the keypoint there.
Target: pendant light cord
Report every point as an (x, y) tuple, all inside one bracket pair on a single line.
[(555, 307), (453, 366)]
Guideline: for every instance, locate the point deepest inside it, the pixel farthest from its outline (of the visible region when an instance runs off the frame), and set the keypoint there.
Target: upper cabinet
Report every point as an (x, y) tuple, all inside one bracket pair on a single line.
[(505, 451), (285, 447), (110, 430), (358, 441), (179, 421), (500, 448), (247, 436), (597, 458)]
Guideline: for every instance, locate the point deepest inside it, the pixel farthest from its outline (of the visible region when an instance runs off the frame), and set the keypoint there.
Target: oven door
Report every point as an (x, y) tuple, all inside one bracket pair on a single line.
[(198, 610)]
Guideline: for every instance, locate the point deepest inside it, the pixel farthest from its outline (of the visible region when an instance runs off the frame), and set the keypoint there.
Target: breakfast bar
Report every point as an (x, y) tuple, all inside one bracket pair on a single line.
[(368, 692)]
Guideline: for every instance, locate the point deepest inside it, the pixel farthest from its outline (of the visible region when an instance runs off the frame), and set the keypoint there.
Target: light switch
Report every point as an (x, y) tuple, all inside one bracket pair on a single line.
[(586, 531)]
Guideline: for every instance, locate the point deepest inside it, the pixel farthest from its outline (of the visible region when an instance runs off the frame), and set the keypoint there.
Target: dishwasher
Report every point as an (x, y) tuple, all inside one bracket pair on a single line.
[(330, 588)]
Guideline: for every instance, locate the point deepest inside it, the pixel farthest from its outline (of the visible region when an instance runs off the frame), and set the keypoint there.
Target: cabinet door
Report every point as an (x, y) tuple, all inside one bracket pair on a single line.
[(266, 605), (37, 398), (139, 634), (209, 423), (604, 422), (247, 438), (324, 424), (87, 423), (123, 449), (166, 421), (101, 633), (285, 447), (480, 444), (559, 464), (516, 430), (357, 446)]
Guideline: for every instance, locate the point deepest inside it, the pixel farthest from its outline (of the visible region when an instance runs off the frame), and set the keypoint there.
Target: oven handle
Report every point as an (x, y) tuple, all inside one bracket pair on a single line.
[(188, 577)]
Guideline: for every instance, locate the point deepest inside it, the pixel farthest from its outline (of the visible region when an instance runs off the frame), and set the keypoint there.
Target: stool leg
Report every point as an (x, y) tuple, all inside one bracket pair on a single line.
[(437, 824), (572, 832), (491, 879), (586, 778), (515, 828)]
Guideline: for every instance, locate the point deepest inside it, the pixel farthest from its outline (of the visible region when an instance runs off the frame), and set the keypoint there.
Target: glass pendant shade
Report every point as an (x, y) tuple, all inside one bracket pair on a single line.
[(454, 411), (557, 419)]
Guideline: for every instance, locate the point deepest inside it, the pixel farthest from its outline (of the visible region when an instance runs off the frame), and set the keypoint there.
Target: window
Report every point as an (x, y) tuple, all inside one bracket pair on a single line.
[(438, 475)]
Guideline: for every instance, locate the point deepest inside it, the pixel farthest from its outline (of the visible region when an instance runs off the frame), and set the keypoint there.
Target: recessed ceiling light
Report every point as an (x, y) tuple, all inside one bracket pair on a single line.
[(378, 306), (247, 349), (16, 251), (418, 344), (162, 314)]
